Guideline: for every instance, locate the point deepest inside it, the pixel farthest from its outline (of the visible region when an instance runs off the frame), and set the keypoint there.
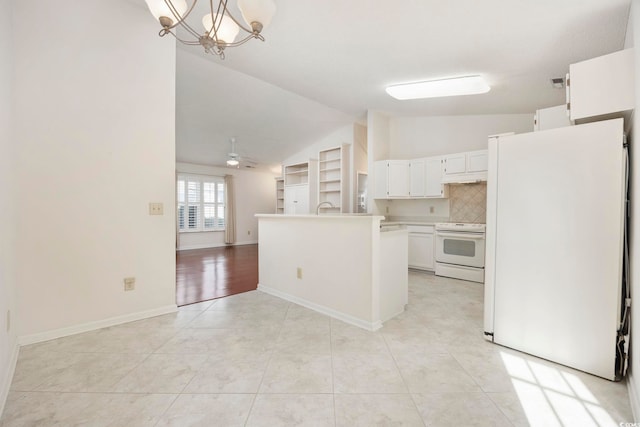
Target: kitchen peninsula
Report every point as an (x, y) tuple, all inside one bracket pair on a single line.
[(343, 266)]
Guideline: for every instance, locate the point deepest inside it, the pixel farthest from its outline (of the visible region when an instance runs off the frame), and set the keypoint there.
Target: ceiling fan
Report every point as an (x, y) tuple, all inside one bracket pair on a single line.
[(234, 159)]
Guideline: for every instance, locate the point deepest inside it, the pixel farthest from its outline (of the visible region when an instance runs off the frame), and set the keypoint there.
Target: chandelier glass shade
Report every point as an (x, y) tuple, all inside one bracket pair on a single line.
[(218, 29)]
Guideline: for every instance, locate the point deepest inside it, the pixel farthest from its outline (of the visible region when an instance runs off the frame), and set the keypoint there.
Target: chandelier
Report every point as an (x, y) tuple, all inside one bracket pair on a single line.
[(220, 27)]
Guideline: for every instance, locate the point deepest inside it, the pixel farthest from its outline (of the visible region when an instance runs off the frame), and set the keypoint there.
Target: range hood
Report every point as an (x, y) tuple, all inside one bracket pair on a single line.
[(465, 178)]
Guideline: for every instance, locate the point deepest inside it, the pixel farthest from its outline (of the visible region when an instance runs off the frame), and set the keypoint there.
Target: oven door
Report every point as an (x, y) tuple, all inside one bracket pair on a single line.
[(460, 248)]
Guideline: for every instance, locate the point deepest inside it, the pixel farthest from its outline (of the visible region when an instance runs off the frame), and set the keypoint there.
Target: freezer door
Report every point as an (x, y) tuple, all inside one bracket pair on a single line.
[(556, 244)]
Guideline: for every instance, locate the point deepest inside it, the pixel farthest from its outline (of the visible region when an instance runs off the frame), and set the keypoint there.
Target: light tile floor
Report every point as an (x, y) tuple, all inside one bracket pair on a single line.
[(255, 360)]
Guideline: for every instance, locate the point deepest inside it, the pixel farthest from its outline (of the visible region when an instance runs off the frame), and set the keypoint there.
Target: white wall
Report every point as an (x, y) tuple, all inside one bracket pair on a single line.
[(413, 137), (255, 193), (633, 39), (8, 345), (342, 135), (420, 208), (377, 149), (95, 126), (359, 162)]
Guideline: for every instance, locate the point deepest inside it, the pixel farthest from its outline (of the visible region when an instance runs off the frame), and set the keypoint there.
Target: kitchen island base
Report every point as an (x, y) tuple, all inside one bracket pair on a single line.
[(339, 265)]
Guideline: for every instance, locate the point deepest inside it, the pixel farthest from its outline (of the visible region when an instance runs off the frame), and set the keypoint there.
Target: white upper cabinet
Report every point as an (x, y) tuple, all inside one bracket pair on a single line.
[(398, 178), (433, 178), (401, 179), (417, 180), (455, 163), (602, 87), (465, 167), (478, 161), (551, 118), (391, 179)]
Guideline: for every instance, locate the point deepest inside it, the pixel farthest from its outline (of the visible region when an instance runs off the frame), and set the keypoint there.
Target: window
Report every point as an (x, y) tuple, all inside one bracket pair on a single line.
[(200, 203)]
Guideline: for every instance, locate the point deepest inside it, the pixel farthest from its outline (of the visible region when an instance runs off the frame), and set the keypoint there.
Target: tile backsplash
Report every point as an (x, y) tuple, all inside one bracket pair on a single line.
[(468, 203)]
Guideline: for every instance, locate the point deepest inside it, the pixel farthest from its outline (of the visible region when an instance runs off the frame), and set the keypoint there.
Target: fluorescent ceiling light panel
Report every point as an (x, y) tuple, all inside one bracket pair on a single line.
[(469, 85)]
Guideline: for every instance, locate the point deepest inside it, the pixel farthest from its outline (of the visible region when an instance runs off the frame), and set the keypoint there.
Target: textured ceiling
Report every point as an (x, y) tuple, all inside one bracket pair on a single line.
[(325, 63)]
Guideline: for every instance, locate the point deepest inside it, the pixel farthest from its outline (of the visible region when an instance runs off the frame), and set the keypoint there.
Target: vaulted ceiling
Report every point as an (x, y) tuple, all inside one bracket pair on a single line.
[(325, 63)]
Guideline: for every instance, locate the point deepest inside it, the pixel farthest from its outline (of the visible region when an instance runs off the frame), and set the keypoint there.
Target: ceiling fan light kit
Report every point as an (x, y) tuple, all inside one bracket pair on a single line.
[(220, 27)]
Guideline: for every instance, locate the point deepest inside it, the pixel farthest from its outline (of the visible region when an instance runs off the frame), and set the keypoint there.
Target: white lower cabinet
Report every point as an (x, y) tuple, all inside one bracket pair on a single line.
[(296, 199), (421, 247)]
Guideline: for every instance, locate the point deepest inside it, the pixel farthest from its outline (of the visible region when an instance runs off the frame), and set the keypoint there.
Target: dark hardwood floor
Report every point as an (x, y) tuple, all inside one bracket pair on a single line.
[(205, 274)]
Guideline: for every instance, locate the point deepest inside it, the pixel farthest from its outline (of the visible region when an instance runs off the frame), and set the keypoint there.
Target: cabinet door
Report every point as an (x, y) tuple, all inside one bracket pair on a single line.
[(416, 178), (290, 201), (296, 199), (302, 200), (602, 85), (398, 178), (421, 251), (477, 161), (380, 179), (433, 177), (455, 163), (551, 118)]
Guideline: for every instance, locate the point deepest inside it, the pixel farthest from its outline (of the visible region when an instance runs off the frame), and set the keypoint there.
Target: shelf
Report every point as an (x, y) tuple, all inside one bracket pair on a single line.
[(329, 191), (329, 181), (329, 207), (297, 172), (330, 169)]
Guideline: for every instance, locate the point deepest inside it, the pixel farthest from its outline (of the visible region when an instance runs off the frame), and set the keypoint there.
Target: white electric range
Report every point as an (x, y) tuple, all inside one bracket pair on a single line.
[(460, 251)]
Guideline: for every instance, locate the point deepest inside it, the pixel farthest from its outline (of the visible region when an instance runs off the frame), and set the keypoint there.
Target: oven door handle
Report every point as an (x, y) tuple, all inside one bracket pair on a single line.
[(474, 236)]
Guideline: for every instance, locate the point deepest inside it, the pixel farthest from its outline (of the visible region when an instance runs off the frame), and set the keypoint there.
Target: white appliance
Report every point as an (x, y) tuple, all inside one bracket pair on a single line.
[(555, 283), (460, 251)]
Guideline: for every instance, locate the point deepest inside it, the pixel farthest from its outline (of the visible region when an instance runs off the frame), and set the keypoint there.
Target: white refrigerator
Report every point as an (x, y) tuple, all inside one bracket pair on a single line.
[(555, 245)]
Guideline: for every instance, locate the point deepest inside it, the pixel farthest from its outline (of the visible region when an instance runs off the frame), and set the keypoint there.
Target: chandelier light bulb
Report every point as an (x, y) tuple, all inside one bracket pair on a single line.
[(159, 9), (227, 29), (257, 12)]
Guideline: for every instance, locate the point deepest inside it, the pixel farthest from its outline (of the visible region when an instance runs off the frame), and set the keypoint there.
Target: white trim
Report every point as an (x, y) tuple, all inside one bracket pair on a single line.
[(6, 381), (215, 245), (92, 326), (369, 326), (633, 396)]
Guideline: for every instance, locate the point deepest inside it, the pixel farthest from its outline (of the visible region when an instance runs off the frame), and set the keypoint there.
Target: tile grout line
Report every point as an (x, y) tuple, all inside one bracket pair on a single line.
[(395, 362), (333, 374), (264, 373)]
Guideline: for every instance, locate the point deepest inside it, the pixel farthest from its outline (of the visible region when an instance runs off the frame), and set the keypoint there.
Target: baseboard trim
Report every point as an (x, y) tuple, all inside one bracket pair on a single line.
[(633, 397), (215, 245), (92, 326), (6, 381), (369, 326)]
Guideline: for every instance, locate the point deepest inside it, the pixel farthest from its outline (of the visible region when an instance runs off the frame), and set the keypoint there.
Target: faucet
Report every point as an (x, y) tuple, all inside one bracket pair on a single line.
[(323, 203)]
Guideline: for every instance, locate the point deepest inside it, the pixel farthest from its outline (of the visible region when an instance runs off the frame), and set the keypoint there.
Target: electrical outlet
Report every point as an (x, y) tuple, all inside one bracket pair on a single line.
[(156, 209), (299, 273), (432, 209), (129, 283), (8, 320)]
